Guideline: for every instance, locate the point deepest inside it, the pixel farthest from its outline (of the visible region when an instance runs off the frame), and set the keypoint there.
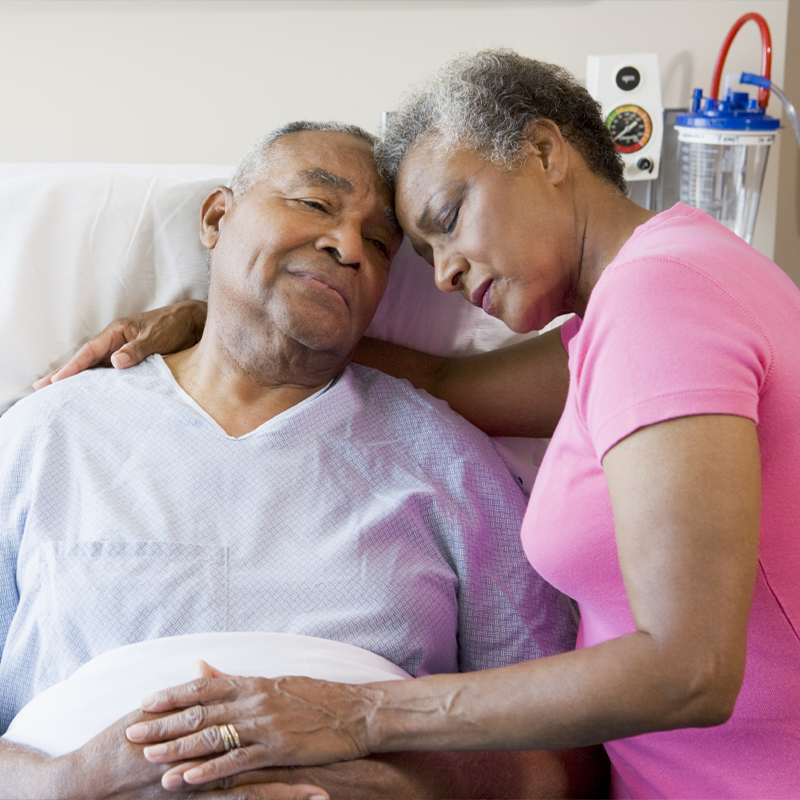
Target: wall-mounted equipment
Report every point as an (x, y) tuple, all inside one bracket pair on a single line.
[(628, 88), (725, 141)]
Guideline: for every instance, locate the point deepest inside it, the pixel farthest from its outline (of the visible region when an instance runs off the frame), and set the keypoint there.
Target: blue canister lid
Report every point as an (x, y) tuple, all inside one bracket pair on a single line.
[(737, 112)]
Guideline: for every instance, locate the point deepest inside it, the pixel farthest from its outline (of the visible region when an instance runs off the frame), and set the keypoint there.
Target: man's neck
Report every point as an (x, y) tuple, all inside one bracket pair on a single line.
[(240, 395)]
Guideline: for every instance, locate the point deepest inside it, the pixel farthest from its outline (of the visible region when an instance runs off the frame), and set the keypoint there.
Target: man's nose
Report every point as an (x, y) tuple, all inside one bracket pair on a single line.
[(449, 272), (344, 242)]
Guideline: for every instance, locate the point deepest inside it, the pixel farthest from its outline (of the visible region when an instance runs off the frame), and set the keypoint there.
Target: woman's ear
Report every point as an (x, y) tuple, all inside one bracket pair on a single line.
[(545, 142), (215, 206)]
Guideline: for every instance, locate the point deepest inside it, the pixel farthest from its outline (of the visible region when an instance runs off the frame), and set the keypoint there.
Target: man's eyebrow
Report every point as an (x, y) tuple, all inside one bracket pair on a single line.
[(321, 177)]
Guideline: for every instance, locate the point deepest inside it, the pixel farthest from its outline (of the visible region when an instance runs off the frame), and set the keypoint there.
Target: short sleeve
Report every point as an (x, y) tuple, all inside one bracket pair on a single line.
[(660, 340)]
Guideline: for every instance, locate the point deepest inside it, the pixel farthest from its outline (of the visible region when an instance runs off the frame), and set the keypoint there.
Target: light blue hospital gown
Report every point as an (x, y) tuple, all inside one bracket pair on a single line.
[(370, 514)]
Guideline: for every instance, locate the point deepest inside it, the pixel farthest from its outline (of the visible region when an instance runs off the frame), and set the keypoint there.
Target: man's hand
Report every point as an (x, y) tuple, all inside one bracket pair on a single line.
[(111, 766), (129, 340)]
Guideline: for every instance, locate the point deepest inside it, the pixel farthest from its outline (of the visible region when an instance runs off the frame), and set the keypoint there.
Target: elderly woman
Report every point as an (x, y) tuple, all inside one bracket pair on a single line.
[(667, 503)]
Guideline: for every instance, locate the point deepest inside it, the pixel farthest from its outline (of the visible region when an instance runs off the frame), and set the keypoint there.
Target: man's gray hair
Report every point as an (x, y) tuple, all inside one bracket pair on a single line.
[(483, 101), (256, 160)]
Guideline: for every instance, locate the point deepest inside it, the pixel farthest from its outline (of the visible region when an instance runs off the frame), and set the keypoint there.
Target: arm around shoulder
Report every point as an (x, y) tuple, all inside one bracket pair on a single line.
[(516, 391)]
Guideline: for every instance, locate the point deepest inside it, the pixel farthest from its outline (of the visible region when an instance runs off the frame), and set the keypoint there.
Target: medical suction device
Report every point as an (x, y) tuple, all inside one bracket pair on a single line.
[(724, 143)]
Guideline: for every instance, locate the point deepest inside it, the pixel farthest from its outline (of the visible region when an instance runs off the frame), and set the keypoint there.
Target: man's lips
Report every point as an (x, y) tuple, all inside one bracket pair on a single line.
[(328, 282), (482, 296)]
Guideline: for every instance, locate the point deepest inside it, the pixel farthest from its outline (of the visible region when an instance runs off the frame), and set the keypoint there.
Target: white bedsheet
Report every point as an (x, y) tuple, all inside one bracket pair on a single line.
[(67, 715)]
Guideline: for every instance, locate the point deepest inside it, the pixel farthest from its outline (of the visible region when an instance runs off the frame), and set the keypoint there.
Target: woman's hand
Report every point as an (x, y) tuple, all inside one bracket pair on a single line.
[(286, 721), (129, 340)]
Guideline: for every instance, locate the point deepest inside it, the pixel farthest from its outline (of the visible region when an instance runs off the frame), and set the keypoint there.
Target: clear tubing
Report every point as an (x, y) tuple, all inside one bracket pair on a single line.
[(791, 111)]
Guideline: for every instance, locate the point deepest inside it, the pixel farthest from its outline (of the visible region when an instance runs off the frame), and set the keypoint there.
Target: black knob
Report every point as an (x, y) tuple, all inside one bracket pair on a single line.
[(645, 165), (628, 78)]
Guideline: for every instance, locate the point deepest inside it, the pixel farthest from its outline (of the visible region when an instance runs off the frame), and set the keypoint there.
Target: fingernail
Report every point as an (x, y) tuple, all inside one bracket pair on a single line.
[(121, 360), (155, 750), (38, 384), (136, 731), (193, 773), (318, 797), (172, 781), (148, 701)]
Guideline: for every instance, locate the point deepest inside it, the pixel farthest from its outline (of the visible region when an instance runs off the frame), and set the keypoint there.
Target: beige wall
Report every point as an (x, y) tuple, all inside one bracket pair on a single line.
[(196, 82), (787, 236)]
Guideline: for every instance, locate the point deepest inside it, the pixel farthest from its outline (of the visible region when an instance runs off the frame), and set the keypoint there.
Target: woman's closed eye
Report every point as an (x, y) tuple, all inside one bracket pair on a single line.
[(448, 219)]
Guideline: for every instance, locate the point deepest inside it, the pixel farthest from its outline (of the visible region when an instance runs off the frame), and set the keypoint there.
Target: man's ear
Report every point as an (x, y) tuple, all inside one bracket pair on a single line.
[(215, 206), (545, 142)]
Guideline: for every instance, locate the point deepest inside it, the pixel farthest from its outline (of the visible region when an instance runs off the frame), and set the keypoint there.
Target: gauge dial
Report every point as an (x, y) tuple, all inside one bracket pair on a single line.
[(630, 127)]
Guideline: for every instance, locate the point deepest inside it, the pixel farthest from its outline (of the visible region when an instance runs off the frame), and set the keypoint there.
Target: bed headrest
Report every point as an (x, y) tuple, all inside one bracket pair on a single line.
[(83, 244)]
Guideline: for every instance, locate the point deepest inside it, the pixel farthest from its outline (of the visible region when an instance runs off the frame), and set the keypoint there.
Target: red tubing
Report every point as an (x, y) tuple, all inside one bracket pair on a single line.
[(766, 56)]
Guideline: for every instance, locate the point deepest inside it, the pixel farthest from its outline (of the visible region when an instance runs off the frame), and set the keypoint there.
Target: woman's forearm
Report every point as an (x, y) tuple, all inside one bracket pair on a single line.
[(623, 687), (517, 391)]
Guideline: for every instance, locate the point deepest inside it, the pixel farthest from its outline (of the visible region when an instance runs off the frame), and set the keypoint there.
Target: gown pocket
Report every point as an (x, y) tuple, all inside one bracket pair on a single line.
[(98, 595)]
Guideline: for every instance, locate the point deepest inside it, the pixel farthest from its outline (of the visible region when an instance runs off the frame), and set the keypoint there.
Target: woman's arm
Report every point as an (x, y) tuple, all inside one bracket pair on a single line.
[(129, 340), (516, 391), (686, 502)]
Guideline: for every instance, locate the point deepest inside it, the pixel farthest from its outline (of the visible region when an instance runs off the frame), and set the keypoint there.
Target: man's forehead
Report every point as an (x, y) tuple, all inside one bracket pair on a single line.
[(326, 150), (325, 159)]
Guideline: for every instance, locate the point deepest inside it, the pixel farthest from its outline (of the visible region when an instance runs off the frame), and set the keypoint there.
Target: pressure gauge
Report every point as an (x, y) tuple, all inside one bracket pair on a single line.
[(628, 89), (630, 127)]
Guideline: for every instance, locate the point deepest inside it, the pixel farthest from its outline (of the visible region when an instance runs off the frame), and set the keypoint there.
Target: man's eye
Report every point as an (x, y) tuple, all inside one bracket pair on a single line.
[(380, 246), (313, 204)]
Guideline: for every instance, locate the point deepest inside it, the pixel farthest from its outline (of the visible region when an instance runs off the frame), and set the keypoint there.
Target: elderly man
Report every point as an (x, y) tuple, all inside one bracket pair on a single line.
[(256, 482)]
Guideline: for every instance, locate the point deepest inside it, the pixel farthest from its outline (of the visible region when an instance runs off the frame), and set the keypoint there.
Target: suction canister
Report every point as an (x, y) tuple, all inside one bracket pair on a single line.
[(723, 147)]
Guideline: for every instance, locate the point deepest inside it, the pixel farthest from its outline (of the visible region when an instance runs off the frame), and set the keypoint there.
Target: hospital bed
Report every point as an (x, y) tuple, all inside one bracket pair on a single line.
[(83, 244)]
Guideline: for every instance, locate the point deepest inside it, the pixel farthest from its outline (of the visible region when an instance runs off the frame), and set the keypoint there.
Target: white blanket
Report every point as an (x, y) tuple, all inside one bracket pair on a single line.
[(67, 715)]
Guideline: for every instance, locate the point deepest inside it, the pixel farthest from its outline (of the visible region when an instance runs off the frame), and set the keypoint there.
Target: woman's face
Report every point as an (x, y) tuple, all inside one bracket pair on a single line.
[(505, 239)]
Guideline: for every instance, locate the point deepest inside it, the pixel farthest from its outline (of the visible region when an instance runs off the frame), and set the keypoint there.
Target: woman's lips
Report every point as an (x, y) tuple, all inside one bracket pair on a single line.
[(482, 296)]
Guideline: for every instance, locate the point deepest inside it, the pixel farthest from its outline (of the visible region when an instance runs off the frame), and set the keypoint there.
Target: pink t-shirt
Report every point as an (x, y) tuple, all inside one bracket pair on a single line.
[(687, 319)]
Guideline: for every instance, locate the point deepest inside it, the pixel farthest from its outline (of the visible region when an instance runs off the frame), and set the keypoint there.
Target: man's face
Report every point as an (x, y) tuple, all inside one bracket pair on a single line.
[(303, 259)]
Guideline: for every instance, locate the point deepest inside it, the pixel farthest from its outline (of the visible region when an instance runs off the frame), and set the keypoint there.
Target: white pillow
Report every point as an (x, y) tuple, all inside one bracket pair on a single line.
[(102, 691), (81, 245), (80, 248)]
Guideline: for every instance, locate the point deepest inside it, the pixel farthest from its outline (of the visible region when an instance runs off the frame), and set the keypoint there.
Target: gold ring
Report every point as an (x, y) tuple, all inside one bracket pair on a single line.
[(227, 739), (234, 736)]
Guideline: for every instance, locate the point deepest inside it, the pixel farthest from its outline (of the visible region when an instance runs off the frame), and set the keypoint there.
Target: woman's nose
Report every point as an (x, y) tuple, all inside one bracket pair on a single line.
[(449, 272)]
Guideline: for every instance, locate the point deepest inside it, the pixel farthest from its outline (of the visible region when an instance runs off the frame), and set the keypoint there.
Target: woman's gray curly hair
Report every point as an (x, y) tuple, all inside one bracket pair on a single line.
[(484, 100)]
